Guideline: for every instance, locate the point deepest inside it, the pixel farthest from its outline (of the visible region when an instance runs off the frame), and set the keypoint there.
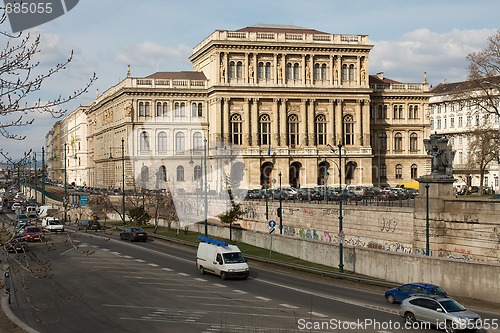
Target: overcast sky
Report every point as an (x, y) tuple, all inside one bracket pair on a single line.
[(409, 38)]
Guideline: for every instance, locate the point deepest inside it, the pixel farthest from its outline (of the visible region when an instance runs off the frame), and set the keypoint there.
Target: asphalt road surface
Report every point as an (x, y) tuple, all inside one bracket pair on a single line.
[(83, 282)]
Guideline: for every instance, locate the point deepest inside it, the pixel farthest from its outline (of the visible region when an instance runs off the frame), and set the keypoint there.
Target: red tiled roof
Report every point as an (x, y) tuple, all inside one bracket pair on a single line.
[(178, 75)]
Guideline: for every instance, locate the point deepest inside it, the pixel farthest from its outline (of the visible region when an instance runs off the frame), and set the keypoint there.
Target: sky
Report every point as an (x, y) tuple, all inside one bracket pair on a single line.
[(409, 38)]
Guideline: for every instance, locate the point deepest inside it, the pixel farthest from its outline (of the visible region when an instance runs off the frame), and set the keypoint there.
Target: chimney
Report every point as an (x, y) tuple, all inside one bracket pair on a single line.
[(380, 75)]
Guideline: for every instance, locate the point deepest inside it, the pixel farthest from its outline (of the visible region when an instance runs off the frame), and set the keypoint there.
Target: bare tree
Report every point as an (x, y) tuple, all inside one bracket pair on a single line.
[(484, 73), (161, 205), (21, 77), (483, 150)]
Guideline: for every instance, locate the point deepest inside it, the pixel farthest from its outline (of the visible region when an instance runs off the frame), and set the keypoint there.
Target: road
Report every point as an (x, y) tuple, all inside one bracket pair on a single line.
[(93, 282)]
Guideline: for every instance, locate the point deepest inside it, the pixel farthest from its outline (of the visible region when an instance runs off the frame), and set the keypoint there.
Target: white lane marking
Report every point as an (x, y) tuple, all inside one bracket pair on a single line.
[(289, 306), (333, 298), (183, 274), (240, 291), (262, 298), (317, 314), (200, 279), (219, 285), (167, 269), (153, 265), (128, 257), (115, 253), (139, 260)]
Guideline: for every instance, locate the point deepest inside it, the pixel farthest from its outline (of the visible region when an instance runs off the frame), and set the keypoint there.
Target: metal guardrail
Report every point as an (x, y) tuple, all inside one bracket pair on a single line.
[(297, 267)]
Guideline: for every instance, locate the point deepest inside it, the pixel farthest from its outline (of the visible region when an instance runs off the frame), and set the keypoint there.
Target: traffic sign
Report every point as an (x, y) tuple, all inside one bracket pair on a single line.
[(271, 230), (272, 223), (84, 200)]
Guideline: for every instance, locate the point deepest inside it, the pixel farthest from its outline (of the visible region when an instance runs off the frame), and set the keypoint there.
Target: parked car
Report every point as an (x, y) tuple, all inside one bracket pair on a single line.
[(308, 194), (16, 244), (397, 295), (32, 233), (16, 206), (443, 312), (22, 218), (256, 194), (89, 225), (134, 234)]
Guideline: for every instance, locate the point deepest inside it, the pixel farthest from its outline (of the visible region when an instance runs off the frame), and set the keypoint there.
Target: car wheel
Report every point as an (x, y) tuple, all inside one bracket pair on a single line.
[(410, 318), (202, 270), (449, 327), (391, 299), (223, 275)]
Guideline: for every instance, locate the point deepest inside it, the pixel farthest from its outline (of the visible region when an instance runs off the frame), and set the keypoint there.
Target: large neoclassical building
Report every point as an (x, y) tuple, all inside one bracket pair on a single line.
[(263, 104)]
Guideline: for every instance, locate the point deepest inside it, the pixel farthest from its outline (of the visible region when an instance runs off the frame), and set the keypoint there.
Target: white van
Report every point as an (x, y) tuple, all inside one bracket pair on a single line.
[(52, 224), (220, 258)]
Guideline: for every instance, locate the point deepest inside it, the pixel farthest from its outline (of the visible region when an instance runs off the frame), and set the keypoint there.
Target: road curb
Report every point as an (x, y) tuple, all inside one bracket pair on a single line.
[(8, 312)]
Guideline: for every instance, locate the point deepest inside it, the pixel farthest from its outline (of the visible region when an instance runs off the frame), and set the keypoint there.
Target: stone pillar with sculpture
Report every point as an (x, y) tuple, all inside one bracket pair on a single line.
[(434, 188)]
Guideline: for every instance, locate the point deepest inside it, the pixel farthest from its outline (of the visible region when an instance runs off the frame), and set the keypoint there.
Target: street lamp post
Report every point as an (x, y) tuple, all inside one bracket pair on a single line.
[(206, 185), (427, 242), (123, 180), (65, 199), (43, 175), (267, 199), (341, 231), (281, 207)]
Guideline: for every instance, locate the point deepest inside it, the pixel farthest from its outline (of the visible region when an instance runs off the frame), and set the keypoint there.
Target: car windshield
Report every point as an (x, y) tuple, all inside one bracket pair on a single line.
[(136, 229), (54, 222), (233, 258), (451, 305)]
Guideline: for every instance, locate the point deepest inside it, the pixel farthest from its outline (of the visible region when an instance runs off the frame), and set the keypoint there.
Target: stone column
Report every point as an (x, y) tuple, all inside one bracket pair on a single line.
[(311, 121), (226, 122), (254, 124), (366, 122), (332, 70), (330, 122), (338, 120), (216, 120), (283, 121), (358, 132), (275, 116), (247, 129), (303, 71), (303, 123)]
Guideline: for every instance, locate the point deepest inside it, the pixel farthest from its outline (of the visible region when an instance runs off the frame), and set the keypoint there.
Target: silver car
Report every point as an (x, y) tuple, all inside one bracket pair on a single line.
[(443, 312)]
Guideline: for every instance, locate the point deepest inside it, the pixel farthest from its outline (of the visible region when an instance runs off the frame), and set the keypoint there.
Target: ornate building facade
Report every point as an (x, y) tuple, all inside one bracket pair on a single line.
[(279, 99)]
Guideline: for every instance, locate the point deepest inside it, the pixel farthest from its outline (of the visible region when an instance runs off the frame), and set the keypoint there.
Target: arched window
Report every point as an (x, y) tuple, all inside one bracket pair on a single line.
[(296, 71), (382, 142), (147, 111), (398, 142), (320, 130), (413, 142), (380, 115), (239, 70), (162, 141), (232, 70), (236, 132), (395, 114), (344, 72), (197, 172), (289, 71), (200, 109), (183, 109), (414, 171), (293, 130), (316, 73), (177, 109), (348, 130), (260, 70), (268, 70), (141, 108), (144, 176), (197, 141), (323, 72), (144, 141), (351, 72), (165, 108), (264, 130), (399, 171), (413, 112), (384, 112), (158, 109), (180, 142), (383, 171), (194, 110), (180, 173)]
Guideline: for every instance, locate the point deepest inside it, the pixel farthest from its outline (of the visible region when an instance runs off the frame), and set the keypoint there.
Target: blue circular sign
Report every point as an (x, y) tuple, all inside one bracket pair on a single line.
[(272, 223)]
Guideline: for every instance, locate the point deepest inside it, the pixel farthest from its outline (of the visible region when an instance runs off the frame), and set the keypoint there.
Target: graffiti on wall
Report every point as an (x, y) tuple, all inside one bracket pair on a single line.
[(386, 224)]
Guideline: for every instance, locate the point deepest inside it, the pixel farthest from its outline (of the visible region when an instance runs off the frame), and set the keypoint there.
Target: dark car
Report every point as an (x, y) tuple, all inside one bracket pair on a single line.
[(397, 295), (89, 225), (134, 234), (307, 194), (17, 244), (256, 194)]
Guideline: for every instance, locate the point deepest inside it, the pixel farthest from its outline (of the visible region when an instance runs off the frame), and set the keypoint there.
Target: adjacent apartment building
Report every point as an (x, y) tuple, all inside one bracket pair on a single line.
[(463, 111), (262, 104)]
